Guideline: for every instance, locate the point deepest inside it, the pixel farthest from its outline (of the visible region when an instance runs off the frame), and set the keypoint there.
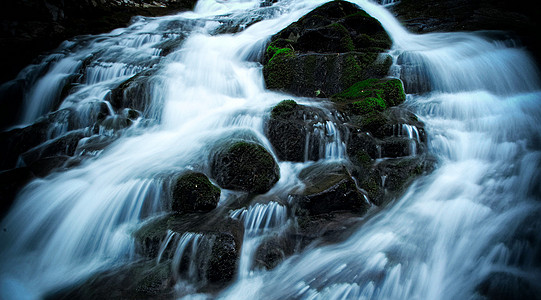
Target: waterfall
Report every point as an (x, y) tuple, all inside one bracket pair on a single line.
[(448, 232)]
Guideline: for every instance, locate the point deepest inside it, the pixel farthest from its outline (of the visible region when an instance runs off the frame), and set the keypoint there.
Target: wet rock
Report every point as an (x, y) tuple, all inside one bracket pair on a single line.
[(361, 147), (398, 147), (140, 280), (294, 131), (390, 177), (245, 166), (94, 145), (11, 182), (193, 192), (223, 237), (64, 145), (326, 51), (44, 166), (134, 93), (328, 190), (273, 250), (112, 124), (506, 286)]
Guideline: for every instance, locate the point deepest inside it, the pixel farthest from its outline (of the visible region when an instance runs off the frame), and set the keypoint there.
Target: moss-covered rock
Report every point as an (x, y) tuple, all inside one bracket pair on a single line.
[(326, 51), (273, 250), (245, 166), (220, 249), (329, 188), (193, 192), (297, 132), (389, 92)]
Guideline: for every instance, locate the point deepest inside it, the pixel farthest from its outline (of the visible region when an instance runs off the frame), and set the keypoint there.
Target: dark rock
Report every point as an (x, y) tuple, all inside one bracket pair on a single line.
[(519, 18), (245, 166), (506, 286), (94, 144), (398, 174), (64, 145), (134, 93), (273, 250), (11, 101), (361, 147), (112, 124), (32, 27), (326, 51), (17, 141), (11, 182), (397, 147), (140, 280), (328, 190), (295, 131), (223, 235), (193, 192), (44, 166)]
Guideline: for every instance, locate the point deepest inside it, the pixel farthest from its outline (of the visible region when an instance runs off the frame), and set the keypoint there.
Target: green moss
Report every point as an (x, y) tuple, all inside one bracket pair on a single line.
[(278, 71), (352, 71), (368, 105), (372, 95), (282, 108), (373, 121), (363, 158), (246, 166), (194, 192), (346, 43), (393, 92)]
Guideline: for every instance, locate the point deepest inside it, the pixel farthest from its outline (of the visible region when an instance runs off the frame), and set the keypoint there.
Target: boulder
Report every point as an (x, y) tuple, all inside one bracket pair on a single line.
[(140, 280), (221, 248), (245, 166), (64, 145), (329, 188), (326, 51), (193, 192), (135, 92), (273, 250), (297, 132)]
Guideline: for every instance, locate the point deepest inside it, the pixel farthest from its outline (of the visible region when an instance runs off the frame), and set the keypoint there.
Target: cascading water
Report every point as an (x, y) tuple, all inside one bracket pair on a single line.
[(449, 232)]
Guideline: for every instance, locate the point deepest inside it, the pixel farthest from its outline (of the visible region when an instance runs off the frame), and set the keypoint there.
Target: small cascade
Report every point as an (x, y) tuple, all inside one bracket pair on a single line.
[(47, 91), (188, 243), (261, 217), (326, 140), (412, 133), (259, 220), (163, 245)]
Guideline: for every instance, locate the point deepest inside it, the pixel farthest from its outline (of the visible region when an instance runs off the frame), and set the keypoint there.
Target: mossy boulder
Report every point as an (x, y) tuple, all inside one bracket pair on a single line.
[(297, 132), (219, 251), (245, 166), (193, 192), (326, 51), (329, 188), (135, 93), (372, 95), (273, 250), (389, 178)]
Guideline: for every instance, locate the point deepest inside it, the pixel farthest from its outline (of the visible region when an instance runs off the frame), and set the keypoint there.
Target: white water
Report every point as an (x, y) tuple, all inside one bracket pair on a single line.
[(439, 241)]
